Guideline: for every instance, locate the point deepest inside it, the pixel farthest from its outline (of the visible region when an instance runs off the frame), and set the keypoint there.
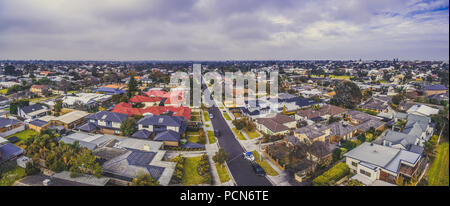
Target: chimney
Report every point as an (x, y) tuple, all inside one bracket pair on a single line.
[(146, 147)]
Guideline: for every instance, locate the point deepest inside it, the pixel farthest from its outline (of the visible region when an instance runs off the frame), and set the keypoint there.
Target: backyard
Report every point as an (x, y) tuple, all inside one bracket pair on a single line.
[(23, 135), (438, 175), (264, 164), (8, 178), (191, 176)]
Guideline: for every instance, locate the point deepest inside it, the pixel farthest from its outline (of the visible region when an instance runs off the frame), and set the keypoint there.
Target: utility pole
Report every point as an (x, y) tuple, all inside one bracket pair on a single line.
[(260, 151), (439, 138)]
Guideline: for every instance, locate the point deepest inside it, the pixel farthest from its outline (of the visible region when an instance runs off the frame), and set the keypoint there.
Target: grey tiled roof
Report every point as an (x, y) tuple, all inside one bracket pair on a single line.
[(162, 120), (32, 108), (108, 116), (7, 122), (142, 134), (168, 135), (132, 163)]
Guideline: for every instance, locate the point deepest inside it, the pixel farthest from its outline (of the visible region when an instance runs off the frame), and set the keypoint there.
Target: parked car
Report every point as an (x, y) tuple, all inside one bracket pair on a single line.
[(258, 169), (249, 156), (216, 133), (211, 116)]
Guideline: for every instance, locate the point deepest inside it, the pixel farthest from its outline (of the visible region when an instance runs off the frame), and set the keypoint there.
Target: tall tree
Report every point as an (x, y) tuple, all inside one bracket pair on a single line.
[(348, 95), (132, 86)]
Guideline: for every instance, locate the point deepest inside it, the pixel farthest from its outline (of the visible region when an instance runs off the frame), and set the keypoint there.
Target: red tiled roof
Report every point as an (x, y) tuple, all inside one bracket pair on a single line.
[(140, 98), (126, 108)]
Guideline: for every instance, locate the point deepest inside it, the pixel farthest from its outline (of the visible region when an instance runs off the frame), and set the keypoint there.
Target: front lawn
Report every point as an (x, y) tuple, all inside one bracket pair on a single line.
[(239, 134), (264, 164), (23, 135), (8, 178), (211, 137), (3, 91), (206, 116), (227, 117), (191, 176), (223, 173), (438, 173), (253, 134), (194, 139), (195, 118)]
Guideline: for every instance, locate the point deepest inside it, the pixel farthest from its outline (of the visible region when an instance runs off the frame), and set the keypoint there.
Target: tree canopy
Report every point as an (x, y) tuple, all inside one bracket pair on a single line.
[(348, 95)]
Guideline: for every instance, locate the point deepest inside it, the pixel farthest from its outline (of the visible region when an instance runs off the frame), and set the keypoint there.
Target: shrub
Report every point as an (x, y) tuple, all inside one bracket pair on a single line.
[(334, 174), (31, 169)]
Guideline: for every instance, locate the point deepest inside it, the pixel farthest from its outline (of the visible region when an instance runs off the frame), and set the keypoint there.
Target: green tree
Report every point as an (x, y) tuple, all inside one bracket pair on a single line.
[(220, 157), (13, 106), (58, 105), (348, 95), (397, 99), (132, 86), (128, 127), (144, 179)]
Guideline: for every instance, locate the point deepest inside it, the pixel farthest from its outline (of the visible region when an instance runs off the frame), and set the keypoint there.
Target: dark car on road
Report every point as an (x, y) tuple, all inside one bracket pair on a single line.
[(258, 169), (216, 133)]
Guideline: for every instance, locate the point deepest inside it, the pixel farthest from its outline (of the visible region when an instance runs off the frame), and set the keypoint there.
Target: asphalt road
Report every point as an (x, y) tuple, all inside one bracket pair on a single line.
[(240, 168)]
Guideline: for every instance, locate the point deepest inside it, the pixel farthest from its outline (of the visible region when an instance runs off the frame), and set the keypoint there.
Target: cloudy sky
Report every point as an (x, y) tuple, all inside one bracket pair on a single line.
[(224, 29)]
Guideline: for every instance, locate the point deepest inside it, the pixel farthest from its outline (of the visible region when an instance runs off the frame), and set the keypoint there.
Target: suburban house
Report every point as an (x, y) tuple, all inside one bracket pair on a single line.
[(128, 109), (40, 90), (32, 112), (169, 138), (417, 130), (38, 125), (109, 91), (161, 123), (9, 151), (124, 159), (435, 89), (324, 112), (364, 121), (424, 110), (87, 140), (311, 133), (7, 124), (278, 125), (88, 100), (374, 104), (69, 120), (333, 132), (104, 121), (437, 97), (373, 162)]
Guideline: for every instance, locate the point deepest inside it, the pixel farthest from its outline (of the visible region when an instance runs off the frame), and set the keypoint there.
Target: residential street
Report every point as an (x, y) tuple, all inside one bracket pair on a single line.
[(240, 168)]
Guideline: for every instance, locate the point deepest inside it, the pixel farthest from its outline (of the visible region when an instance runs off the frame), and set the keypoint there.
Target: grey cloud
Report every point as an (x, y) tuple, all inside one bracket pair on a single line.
[(222, 29)]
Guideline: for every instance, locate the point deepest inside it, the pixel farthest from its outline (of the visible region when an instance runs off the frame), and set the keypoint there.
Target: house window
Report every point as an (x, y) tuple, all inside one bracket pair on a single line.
[(354, 164), (364, 172)]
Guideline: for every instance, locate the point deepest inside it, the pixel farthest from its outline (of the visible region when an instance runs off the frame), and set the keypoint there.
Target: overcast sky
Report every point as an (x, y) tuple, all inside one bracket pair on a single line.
[(224, 29)]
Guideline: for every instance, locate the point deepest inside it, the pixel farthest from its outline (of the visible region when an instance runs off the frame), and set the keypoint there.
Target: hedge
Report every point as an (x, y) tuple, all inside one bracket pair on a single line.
[(334, 174)]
